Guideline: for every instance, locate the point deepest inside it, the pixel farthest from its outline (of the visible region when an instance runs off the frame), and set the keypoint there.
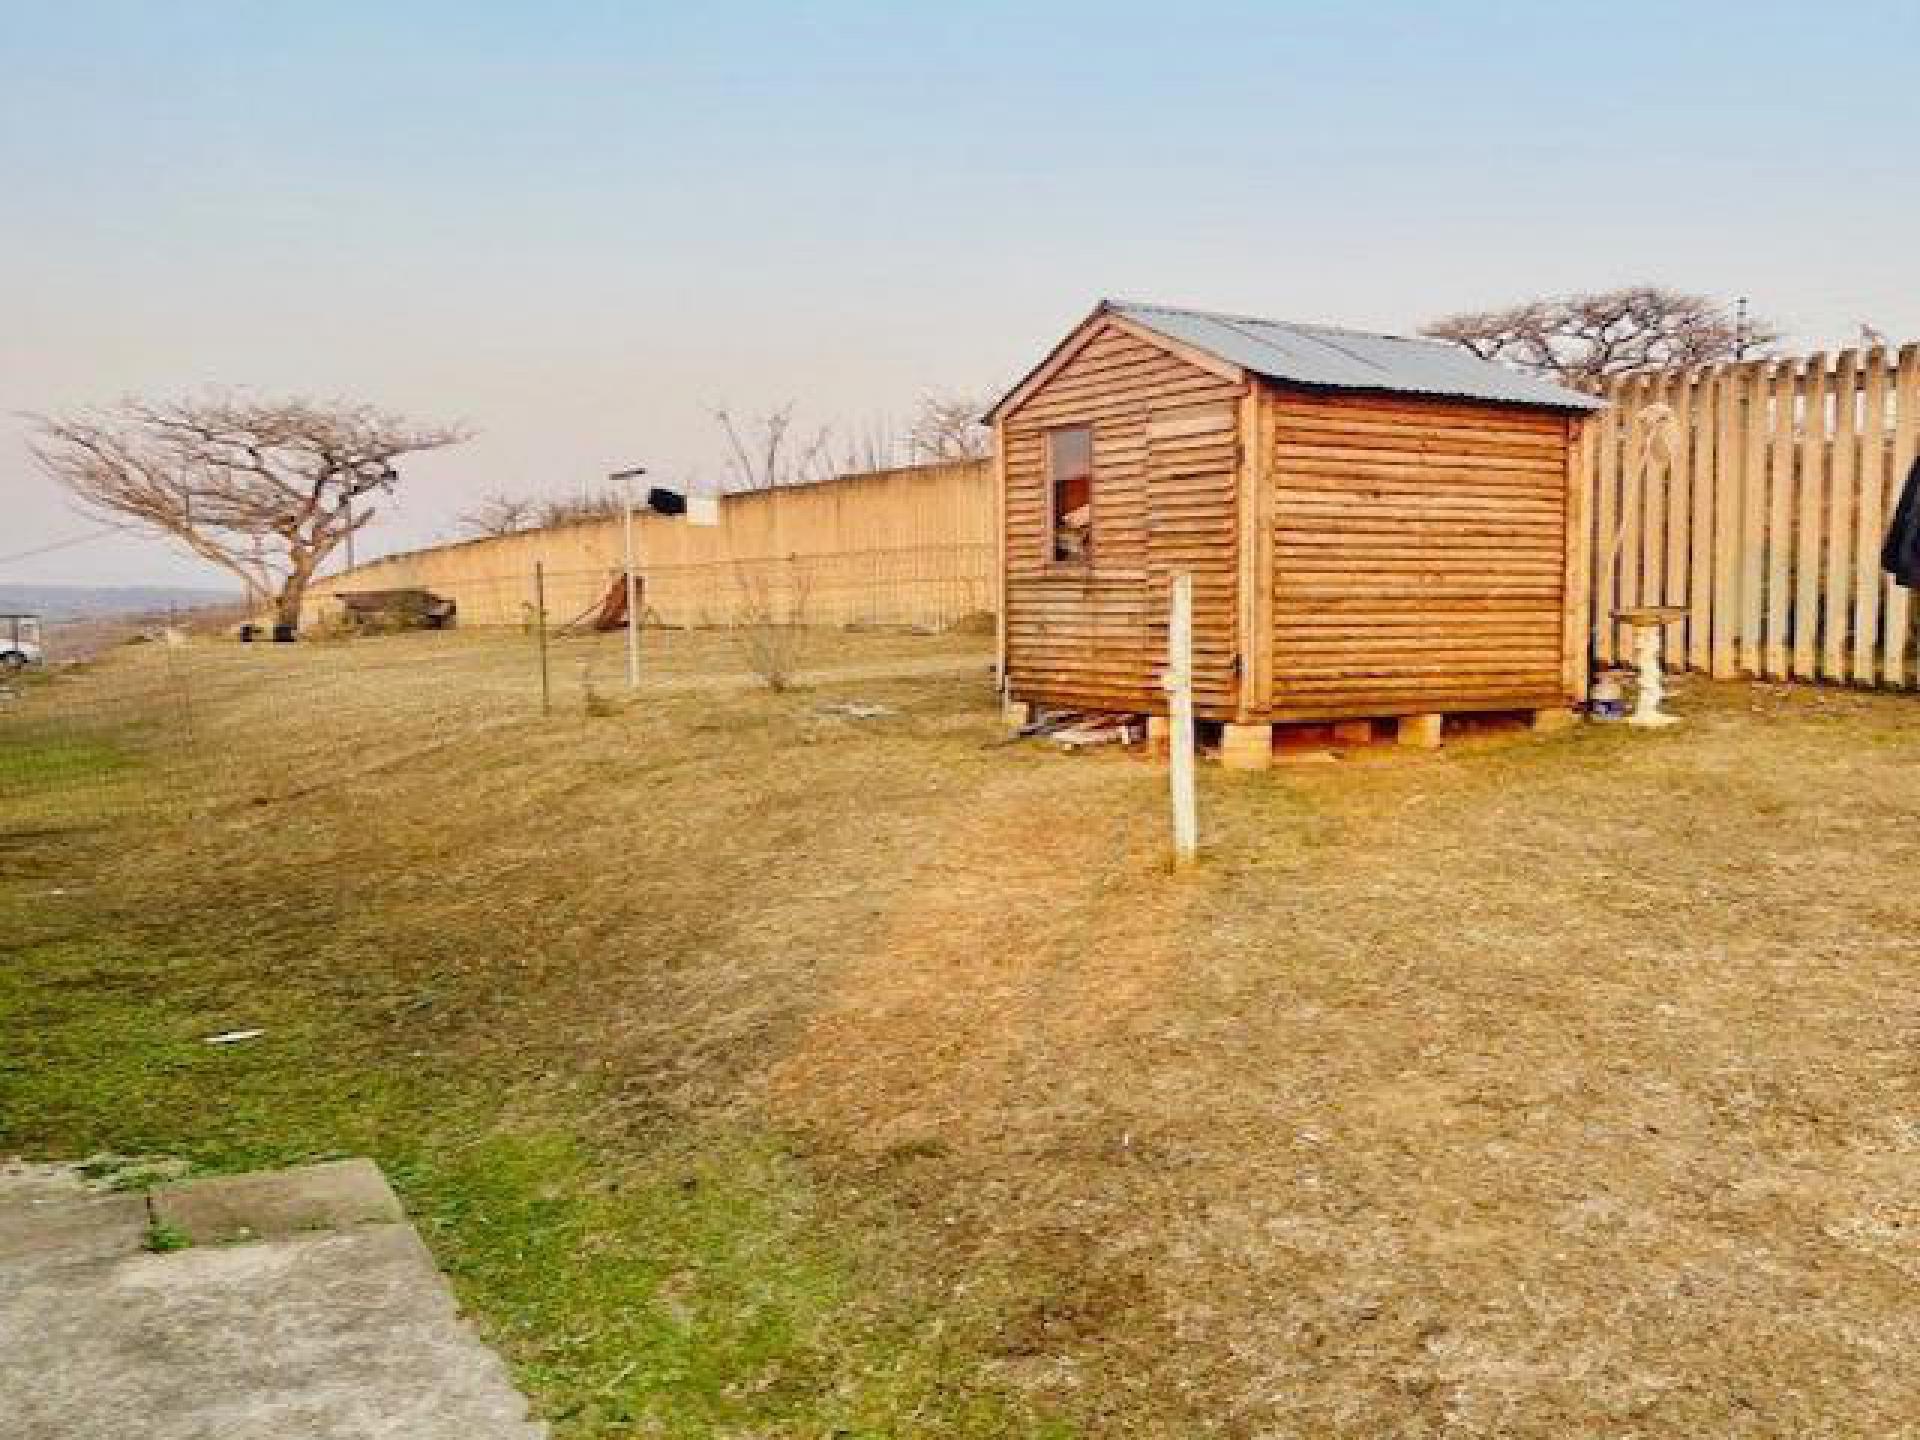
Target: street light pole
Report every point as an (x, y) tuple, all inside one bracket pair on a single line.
[(626, 479)]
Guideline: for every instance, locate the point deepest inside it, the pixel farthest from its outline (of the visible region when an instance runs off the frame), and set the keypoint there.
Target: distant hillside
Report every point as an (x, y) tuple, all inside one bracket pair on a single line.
[(104, 602)]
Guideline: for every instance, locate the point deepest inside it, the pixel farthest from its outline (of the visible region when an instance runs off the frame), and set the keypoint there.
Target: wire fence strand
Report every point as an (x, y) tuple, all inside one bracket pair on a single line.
[(153, 719)]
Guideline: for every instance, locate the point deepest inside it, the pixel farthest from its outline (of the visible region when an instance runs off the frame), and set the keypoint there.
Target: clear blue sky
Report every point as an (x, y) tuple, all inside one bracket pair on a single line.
[(577, 226)]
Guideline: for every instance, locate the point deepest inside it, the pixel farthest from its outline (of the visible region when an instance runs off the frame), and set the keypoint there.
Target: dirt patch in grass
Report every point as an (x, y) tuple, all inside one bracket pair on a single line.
[(759, 1070), (1022, 933)]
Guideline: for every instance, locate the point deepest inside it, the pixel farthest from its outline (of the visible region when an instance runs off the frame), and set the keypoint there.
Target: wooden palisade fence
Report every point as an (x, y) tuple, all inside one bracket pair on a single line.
[(1757, 496)]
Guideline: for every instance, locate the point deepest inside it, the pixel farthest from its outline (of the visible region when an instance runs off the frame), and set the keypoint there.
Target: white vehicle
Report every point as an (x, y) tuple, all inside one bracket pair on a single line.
[(20, 642)]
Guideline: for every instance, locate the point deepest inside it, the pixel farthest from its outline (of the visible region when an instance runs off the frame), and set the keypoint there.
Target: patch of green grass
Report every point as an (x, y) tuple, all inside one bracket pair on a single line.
[(703, 1284), (700, 1293), (163, 1239), (106, 1027), (55, 780), (39, 762)]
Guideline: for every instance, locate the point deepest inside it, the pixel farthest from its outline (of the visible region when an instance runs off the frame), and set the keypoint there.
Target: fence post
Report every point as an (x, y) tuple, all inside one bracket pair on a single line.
[(540, 629), (1843, 501), (1179, 687), (1807, 535), (1870, 484)]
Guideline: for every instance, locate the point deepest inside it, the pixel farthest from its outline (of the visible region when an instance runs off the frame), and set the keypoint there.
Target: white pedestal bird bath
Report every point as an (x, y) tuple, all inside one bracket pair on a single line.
[(1646, 622), (1653, 427)]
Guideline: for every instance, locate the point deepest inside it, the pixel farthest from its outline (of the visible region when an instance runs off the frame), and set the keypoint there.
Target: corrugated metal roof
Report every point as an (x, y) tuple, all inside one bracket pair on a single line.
[(1320, 356)]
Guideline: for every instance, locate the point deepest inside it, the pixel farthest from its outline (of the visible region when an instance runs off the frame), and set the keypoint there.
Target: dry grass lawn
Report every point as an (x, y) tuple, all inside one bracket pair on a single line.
[(1544, 1086)]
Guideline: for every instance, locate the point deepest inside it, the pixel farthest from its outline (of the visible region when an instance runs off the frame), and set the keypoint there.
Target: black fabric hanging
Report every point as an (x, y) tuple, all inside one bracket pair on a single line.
[(1900, 556)]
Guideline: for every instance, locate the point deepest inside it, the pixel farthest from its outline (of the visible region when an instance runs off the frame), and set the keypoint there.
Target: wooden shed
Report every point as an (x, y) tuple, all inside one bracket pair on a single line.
[(1377, 527)]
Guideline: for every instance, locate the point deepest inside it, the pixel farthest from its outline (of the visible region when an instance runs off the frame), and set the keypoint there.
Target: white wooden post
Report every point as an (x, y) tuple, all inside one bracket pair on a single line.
[(633, 586), (1179, 687), (632, 579)]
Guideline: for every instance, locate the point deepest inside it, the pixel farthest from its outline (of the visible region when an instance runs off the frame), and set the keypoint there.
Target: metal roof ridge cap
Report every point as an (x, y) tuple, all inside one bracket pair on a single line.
[(1239, 327), (1324, 337), (1304, 326)]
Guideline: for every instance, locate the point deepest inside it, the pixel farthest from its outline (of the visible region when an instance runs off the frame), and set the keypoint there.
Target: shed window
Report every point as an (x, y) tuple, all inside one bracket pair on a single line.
[(1070, 492)]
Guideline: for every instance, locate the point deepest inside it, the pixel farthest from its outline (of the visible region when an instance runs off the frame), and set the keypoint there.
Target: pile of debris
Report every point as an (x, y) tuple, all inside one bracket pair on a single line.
[(404, 609), (1082, 729)]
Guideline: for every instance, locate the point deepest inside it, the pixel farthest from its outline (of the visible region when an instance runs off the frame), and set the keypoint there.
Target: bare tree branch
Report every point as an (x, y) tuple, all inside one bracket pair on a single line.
[(601, 505), (266, 489), (500, 515), (509, 514), (870, 448), (767, 452), (948, 427)]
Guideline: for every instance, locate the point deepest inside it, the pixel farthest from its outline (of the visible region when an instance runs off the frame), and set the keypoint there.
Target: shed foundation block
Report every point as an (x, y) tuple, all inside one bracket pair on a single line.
[(1421, 732), (1015, 713), (1246, 747), (1159, 734), (1559, 717)]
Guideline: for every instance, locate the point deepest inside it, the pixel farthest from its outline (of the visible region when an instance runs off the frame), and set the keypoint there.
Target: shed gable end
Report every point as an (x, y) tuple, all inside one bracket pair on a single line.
[(1165, 456)]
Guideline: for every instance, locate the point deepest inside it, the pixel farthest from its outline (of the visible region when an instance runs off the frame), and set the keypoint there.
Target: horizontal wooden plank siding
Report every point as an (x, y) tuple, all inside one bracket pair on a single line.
[(1165, 454), (1193, 458), (1419, 556)]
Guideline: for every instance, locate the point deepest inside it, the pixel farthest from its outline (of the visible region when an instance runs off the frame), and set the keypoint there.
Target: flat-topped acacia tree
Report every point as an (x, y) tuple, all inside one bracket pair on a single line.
[(1585, 340), (265, 488)]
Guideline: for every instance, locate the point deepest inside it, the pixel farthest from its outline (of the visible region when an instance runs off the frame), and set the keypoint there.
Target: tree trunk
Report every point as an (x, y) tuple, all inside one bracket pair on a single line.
[(292, 598)]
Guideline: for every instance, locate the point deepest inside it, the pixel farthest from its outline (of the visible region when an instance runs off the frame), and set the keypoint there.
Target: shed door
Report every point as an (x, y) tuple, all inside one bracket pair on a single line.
[(1193, 456)]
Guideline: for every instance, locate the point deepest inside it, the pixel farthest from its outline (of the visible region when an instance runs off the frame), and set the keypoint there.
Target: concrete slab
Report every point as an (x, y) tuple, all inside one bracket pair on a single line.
[(324, 1336), (343, 1334), (334, 1195), (51, 1216)]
